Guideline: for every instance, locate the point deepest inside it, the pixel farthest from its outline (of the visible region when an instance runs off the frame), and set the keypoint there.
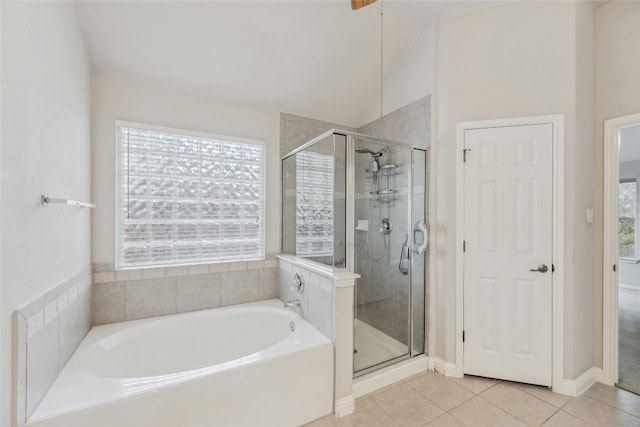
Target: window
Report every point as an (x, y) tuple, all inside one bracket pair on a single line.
[(186, 197), (314, 203), (627, 208)]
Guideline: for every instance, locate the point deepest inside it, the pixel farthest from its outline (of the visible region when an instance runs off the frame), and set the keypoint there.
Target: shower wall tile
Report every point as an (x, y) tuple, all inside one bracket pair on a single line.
[(149, 298), (408, 124), (297, 130), (401, 289), (399, 323), (198, 292)]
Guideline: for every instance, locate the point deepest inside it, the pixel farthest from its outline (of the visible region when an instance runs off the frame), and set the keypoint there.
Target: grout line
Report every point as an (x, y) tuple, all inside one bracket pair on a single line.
[(610, 405)]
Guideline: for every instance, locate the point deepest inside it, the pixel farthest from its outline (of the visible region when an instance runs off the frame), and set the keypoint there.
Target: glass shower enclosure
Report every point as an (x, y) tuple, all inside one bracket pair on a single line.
[(357, 202)]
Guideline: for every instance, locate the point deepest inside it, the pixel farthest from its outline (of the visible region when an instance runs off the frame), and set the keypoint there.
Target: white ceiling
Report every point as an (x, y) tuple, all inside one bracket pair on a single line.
[(313, 58)]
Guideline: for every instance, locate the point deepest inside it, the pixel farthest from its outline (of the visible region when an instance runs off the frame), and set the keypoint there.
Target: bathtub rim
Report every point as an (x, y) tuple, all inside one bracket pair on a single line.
[(304, 337)]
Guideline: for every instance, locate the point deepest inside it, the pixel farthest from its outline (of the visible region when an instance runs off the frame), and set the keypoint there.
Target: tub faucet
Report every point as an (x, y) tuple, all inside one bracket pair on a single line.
[(292, 302)]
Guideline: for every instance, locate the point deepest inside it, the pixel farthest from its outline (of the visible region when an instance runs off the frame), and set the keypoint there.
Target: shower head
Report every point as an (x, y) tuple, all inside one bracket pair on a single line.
[(366, 150)]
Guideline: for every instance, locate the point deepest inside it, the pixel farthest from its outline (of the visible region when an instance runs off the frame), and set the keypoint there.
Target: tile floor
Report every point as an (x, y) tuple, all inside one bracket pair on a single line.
[(433, 400)]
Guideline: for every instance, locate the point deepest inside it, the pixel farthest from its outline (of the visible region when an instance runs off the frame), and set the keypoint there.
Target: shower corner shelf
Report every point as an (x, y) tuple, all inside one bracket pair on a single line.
[(388, 169)]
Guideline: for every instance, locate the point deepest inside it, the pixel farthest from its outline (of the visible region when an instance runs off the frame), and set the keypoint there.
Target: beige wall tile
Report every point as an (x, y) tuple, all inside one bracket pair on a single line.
[(154, 273), (219, 267), (108, 303), (198, 292), (237, 266), (126, 275), (149, 298), (238, 287), (104, 277)]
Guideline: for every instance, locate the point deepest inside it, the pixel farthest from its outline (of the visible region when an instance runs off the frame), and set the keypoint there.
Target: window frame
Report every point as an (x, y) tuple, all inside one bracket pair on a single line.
[(119, 124), (636, 224)]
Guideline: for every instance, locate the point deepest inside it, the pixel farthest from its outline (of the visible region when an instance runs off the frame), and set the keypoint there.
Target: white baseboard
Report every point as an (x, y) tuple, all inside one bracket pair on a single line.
[(448, 369), (390, 375), (345, 406), (581, 384)]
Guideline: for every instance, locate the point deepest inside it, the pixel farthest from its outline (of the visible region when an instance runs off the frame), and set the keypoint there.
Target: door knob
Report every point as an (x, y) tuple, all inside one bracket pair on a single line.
[(542, 268)]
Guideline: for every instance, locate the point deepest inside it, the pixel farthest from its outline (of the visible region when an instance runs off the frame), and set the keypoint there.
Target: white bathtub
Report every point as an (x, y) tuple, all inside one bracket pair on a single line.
[(233, 366)]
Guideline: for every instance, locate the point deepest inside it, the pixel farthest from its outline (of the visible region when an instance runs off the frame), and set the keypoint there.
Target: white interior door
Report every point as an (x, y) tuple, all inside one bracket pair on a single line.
[(508, 253)]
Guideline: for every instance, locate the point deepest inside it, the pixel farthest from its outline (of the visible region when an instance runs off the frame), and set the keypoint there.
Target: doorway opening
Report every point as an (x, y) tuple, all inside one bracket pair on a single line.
[(622, 253)]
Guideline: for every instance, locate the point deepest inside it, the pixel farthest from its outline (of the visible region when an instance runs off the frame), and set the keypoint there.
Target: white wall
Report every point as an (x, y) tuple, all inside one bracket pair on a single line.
[(45, 149), (511, 60), (411, 80), (118, 99), (617, 94)]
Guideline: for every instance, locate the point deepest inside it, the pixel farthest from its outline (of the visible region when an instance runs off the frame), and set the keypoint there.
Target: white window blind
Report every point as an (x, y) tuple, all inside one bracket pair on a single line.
[(314, 204), (187, 198)]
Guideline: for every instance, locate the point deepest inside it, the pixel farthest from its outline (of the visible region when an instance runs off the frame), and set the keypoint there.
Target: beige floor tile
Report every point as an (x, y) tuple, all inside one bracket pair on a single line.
[(441, 390), (406, 406), (322, 422), (613, 396), (556, 399), (476, 384), (445, 420), (562, 419), (477, 412), (595, 412), (367, 414), (521, 405)]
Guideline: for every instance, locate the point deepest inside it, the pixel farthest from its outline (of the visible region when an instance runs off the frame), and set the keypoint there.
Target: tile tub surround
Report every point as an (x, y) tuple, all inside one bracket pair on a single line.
[(326, 303), (142, 293), (46, 333)]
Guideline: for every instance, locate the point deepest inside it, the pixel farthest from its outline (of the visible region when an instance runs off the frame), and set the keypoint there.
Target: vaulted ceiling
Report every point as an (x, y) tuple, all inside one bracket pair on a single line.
[(314, 58)]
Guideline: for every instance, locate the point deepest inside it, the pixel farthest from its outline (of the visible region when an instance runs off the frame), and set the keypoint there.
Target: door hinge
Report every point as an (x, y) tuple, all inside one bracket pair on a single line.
[(464, 154), (614, 267), (553, 268), (462, 336), (464, 246)]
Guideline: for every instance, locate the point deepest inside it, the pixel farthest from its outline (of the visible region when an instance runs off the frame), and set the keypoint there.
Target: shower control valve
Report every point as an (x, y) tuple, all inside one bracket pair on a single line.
[(298, 283), (386, 226)]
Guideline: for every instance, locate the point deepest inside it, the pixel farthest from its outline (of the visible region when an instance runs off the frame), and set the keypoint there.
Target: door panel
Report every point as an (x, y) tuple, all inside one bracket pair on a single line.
[(508, 217)]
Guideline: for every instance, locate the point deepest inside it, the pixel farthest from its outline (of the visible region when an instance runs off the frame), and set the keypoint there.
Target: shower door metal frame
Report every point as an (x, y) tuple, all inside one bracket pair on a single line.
[(351, 138), (350, 239)]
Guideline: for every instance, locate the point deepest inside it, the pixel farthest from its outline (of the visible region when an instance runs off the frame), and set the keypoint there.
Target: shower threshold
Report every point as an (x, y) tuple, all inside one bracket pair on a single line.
[(374, 347)]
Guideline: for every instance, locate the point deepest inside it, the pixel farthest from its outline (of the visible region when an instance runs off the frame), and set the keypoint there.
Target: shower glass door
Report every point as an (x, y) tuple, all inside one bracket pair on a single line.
[(389, 195)]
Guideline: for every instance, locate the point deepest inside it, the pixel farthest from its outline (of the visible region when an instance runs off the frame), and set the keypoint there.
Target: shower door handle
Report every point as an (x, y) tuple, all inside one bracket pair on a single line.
[(421, 248)]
